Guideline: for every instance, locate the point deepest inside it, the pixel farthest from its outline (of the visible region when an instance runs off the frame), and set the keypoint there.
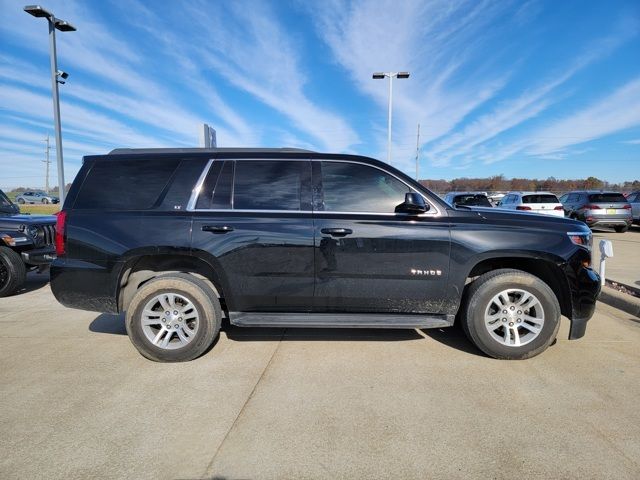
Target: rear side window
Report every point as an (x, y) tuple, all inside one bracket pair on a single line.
[(125, 184), (607, 198), (540, 199), (272, 185), (217, 188)]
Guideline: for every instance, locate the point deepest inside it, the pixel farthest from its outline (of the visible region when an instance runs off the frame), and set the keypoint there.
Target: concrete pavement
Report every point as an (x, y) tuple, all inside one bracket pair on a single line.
[(78, 401)]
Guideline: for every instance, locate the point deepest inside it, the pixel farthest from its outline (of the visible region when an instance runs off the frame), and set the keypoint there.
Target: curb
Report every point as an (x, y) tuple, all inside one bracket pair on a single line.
[(621, 301)]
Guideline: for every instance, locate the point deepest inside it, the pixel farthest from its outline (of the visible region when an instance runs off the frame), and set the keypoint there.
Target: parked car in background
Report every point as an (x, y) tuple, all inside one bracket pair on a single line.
[(468, 199), (26, 243), (598, 208), (634, 200), (36, 196), (533, 202)]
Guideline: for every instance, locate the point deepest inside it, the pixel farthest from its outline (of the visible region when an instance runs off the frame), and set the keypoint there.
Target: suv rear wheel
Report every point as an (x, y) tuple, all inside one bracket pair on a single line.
[(12, 271), (621, 228), (510, 314), (173, 318)]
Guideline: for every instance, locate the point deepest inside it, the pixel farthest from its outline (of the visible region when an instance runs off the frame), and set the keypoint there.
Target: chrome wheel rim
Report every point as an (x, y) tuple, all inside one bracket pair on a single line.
[(170, 321), (514, 317)]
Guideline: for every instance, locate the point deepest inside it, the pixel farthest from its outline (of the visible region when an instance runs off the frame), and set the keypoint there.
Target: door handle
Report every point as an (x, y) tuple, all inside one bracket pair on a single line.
[(337, 232), (217, 228)]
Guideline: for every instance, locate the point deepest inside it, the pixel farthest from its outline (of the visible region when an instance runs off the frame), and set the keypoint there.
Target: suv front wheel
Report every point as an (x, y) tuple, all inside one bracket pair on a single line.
[(173, 318), (510, 314)]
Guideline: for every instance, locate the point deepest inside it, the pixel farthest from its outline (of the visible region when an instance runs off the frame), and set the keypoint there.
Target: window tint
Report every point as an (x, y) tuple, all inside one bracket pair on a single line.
[(573, 198), (472, 200), (607, 198), (272, 185), (540, 199), (125, 184), (352, 187), (216, 190)]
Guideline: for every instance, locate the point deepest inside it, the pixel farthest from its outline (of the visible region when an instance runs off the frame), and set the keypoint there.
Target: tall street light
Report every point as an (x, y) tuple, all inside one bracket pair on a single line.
[(390, 76), (57, 76)]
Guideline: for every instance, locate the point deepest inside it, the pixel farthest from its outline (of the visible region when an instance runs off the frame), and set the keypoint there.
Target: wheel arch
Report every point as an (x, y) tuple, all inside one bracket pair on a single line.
[(139, 269), (546, 270)]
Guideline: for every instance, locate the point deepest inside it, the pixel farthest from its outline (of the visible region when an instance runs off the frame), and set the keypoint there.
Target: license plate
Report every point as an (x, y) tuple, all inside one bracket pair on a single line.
[(611, 211)]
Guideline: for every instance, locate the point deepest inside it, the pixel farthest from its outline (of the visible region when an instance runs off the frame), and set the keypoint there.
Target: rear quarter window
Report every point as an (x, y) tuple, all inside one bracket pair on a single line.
[(125, 184)]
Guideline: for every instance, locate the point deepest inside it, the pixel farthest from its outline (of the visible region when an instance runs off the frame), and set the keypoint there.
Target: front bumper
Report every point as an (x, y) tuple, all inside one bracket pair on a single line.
[(40, 256), (584, 285)]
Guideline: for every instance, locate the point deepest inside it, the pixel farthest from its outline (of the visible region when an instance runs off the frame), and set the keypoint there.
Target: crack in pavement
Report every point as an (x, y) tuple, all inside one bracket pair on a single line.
[(215, 455)]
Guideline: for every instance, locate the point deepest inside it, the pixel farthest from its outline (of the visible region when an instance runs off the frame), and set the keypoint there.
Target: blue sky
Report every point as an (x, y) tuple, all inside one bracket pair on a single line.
[(520, 88)]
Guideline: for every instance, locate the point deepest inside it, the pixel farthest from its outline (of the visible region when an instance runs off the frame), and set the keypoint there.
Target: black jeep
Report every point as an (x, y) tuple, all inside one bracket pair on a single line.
[(26, 243), (181, 238)]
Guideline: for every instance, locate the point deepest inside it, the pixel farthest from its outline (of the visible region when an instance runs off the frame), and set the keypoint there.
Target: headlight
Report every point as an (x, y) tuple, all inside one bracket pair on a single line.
[(32, 231), (583, 239)]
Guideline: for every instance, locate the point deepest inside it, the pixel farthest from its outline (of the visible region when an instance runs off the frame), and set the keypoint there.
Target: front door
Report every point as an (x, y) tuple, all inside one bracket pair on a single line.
[(369, 258), (253, 223)]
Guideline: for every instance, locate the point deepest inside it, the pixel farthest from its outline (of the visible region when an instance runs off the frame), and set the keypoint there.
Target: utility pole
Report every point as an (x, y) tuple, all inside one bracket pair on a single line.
[(417, 151), (47, 162)]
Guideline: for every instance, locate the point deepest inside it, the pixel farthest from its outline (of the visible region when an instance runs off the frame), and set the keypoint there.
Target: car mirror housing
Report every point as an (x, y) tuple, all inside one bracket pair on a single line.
[(413, 204)]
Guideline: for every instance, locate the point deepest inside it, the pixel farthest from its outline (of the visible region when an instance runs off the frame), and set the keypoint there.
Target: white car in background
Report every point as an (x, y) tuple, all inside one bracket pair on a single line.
[(545, 203)]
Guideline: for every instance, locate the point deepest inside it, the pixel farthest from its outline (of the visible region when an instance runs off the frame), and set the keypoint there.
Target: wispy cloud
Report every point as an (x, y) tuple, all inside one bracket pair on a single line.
[(432, 40)]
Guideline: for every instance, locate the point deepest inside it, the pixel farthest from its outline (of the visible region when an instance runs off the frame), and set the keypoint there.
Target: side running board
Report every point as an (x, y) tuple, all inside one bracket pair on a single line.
[(339, 320)]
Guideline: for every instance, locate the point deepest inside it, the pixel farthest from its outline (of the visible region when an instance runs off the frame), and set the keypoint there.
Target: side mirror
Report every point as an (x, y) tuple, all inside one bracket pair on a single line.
[(413, 203)]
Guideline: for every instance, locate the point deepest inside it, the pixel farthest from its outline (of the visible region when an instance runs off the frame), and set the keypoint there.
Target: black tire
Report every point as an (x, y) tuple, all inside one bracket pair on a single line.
[(621, 229), (478, 298), (199, 294), (13, 272), (21, 201)]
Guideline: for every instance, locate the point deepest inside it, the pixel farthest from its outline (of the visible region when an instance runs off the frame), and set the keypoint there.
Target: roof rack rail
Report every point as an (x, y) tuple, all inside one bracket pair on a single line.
[(125, 151)]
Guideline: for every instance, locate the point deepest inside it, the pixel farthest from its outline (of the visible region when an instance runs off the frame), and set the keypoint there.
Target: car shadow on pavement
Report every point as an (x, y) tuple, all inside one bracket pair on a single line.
[(453, 337), (108, 323), (35, 281)]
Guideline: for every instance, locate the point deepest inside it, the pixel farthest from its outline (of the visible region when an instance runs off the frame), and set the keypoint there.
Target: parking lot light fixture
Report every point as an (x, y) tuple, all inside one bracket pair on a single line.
[(64, 26), (390, 76)]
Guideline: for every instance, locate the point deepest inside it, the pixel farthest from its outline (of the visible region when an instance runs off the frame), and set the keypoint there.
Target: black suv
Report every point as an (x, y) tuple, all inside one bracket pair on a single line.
[(26, 243), (181, 238)]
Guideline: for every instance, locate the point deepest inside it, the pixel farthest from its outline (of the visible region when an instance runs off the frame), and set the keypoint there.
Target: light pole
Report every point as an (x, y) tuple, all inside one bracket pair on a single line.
[(390, 76), (54, 23)]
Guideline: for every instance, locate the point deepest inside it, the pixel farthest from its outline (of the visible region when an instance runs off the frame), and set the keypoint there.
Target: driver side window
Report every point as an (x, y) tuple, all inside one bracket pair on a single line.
[(354, 187)]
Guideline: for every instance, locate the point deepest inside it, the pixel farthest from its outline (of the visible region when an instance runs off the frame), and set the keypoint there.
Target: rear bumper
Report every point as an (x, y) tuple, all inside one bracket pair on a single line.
[(41, 256), (83, 285), (584, 285), (608, 222)]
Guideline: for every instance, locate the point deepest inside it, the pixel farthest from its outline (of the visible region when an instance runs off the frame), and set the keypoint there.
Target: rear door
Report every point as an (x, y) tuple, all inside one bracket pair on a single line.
[(252, 221), (367, 257)]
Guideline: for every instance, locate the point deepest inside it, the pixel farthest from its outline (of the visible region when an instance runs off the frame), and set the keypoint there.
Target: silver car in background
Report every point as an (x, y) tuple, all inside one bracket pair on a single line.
[(36, 196), (634, 200), (598, 208)]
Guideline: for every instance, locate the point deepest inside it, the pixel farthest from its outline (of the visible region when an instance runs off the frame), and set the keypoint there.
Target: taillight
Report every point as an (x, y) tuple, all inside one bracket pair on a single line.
[(627, 207), (522, 207), (558, 208), (590, 206), (60, 231)]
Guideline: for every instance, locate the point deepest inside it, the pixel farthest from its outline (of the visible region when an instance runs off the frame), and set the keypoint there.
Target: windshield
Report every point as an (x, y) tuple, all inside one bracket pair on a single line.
[(607, 198), (548, 198), (472, 200)]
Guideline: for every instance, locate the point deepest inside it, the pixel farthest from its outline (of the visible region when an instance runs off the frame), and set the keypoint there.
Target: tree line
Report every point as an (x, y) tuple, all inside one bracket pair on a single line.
[(499, 183)]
